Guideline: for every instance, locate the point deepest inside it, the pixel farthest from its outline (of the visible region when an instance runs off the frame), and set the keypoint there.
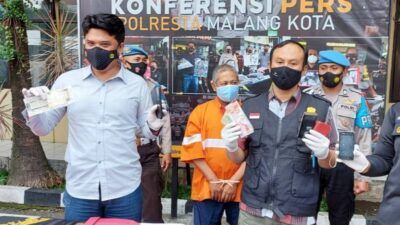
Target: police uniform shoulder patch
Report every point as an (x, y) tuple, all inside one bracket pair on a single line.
[(356, 90), (321, 98), (252, 97)]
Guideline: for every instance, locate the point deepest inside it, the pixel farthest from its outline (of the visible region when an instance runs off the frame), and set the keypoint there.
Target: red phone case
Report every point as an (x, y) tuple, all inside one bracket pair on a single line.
[(322, 128)]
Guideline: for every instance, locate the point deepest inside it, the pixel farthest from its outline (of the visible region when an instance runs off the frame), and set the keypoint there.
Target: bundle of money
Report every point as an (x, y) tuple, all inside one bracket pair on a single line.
[(55, 99), (234, 113)]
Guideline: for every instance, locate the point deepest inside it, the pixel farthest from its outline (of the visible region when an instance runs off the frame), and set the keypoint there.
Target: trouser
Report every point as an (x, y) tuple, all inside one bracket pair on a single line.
[(126, 207), (152, 182), (190, 83), (338, 184), (209, 212), (248, 219)]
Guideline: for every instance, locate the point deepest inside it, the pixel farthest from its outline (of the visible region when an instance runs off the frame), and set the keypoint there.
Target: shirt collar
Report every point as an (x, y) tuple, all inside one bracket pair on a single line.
[(87, 72), (343, 92), (217, 103), (296, 96)]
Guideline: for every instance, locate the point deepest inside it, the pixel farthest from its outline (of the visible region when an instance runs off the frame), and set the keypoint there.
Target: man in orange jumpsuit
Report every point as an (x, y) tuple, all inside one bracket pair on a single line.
[(216, 184)]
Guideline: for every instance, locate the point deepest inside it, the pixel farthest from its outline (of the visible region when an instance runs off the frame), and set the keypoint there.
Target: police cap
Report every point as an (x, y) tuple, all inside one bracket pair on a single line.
[(331, 56), (133, 50)]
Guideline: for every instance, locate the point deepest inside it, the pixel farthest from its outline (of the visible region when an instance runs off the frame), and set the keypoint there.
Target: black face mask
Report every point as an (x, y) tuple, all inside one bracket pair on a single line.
[(330, 80), (352, 58), (100, 58), (284, 77), (138, 68)]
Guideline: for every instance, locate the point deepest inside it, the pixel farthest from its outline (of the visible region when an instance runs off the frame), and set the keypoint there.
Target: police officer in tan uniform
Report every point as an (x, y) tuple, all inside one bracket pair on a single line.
[(351, 114), (135, 59)]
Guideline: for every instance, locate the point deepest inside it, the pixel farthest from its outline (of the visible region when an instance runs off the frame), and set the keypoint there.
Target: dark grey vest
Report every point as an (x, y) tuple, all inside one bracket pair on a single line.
[(279, 174)]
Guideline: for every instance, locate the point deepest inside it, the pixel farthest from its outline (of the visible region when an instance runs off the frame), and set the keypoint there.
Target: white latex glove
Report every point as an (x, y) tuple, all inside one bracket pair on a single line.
[(359, 163), (230, 135), (41, 91), (317, 143), (154, 122)]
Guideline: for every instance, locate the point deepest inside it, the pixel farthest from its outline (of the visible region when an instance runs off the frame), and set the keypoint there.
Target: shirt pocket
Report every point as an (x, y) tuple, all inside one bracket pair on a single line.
[(346, 115), (122, 107), (255, 137), (302, 149), (252, 172), (305, 181)]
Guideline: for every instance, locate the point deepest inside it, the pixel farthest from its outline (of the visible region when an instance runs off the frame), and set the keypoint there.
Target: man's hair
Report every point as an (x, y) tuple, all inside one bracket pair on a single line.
[(107, 22), (283, 43), (223, 68)]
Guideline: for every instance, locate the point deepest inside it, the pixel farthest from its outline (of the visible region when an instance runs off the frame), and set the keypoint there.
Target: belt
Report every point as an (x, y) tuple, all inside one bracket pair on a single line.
[(143, 141)]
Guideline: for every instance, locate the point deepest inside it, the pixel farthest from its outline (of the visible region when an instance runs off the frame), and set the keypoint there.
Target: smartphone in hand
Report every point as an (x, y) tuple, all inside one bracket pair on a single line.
[(346, 145), (307, 123)]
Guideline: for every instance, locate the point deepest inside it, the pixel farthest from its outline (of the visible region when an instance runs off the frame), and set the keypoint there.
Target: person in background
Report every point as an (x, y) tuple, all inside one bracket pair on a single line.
[(136, 59), (111, 105), (229, 58), (263, 58), (216, 180), (351, 114), (240, 61), (310, 78), (357, 74), (250, 61), (156, 74), (190, 81)]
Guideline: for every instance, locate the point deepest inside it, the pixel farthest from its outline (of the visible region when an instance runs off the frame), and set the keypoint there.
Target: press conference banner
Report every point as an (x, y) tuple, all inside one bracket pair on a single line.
[(187, 39)]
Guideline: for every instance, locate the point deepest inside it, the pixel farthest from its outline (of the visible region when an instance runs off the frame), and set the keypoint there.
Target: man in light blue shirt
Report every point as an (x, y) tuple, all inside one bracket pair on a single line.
[(109, 106)]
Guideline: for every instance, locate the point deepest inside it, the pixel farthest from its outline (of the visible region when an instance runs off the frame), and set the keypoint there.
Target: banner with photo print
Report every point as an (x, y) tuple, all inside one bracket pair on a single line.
[(187, 39)]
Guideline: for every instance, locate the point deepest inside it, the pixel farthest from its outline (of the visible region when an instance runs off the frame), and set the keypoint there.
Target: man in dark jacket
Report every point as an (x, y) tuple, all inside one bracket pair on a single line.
[(281, 180), (384, 161)]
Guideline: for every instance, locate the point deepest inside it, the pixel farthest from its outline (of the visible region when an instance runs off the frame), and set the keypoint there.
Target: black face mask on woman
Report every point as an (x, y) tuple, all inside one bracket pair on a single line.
[(100, 58), (284, 77)]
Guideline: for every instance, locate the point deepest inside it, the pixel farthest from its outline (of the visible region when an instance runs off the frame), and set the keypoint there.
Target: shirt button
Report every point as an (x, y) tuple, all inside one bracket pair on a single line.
[(99, 122), (99, 142), (100, 103)]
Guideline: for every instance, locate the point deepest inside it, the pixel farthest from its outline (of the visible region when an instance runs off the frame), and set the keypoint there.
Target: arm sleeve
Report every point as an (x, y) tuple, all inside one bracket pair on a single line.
[(192, 142), (143, 111), (42, 124), (362, 129), (166, 136), (382, 158)]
